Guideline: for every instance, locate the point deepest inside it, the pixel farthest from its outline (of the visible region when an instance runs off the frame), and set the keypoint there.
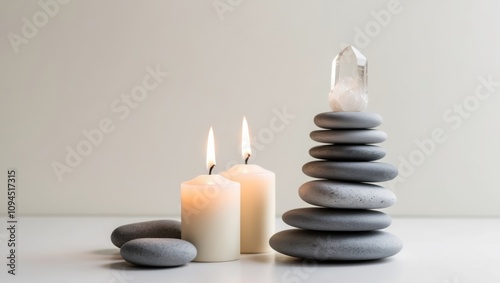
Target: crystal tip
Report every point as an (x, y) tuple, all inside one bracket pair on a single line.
[(349, 81)]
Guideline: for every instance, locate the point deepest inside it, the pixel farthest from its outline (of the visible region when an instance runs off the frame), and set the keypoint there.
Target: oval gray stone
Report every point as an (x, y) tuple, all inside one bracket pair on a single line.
[(330, 219), (158, 252), (341, 152), (148, 229), (335, 194), (348, 120), (323, 246), (349, 136), (351, 171)]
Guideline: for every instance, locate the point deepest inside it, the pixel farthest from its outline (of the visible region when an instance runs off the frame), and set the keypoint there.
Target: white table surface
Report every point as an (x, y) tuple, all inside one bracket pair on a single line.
[(78, 249)]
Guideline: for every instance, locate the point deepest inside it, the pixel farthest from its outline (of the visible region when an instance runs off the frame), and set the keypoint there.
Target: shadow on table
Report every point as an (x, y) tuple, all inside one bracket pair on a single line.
[(284, 260), (123, 265), (113, 254)]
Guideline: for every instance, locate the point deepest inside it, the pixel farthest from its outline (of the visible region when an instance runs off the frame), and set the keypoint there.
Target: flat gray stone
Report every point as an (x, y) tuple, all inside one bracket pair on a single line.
[(334, 194), (158, 252), (330, 219), (349, 136), (351, 171), (348, 120), (148, 229), (340, 152), (323, 246)]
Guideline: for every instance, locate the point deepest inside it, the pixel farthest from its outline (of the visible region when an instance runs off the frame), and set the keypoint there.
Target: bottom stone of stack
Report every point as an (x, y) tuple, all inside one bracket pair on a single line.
[(324, 246)]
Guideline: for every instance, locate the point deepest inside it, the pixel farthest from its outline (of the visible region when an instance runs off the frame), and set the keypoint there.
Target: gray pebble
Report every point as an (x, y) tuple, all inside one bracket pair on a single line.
[(335, 194), (158, 252), (148, 229), (323, 246), (349, 136), (329, 219), (348, 120), (348, 152), (351, 171)]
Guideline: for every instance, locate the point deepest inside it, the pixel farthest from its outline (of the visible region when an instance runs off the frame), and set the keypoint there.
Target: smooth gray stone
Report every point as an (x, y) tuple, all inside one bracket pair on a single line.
[(348, 120), (335, 194), (330, 219), (323, 246), (351, 171), (148, 229), (348, 152), (349, 136), (158, 252)]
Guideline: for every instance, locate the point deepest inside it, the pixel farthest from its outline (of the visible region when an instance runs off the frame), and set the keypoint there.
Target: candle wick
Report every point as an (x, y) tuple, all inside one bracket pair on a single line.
[(246, 159), (210, 170)]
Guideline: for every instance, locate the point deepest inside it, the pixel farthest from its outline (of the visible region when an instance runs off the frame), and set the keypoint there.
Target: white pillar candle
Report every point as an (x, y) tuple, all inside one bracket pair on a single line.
[(258, 209), (211, 217), (210, 212)]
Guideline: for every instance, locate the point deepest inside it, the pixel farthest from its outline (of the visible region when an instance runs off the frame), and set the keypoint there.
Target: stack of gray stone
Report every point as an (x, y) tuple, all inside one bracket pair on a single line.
[(344, 225)]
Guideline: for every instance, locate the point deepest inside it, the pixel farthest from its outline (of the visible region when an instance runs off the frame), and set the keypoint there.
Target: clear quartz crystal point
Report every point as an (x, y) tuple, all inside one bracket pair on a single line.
[(349, 90)]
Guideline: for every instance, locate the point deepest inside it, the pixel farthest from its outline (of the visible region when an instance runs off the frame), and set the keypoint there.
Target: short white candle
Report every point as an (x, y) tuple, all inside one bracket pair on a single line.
[(258, 209), (210, 212)]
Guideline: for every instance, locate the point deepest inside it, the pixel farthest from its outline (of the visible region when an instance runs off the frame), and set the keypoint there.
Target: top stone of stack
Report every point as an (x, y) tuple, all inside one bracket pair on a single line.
[(349, 88), (348, 120)]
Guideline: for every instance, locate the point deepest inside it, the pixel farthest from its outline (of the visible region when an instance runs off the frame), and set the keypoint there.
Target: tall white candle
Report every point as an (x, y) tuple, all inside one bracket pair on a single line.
[(210, 212), (258, 209)]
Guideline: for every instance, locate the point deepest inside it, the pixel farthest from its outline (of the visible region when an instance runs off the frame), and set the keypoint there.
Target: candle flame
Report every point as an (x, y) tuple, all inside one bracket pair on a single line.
[(210, 150), (246, 149)]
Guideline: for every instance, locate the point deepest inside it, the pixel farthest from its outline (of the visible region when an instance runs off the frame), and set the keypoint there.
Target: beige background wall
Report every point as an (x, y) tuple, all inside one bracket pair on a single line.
[(72, 67)]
